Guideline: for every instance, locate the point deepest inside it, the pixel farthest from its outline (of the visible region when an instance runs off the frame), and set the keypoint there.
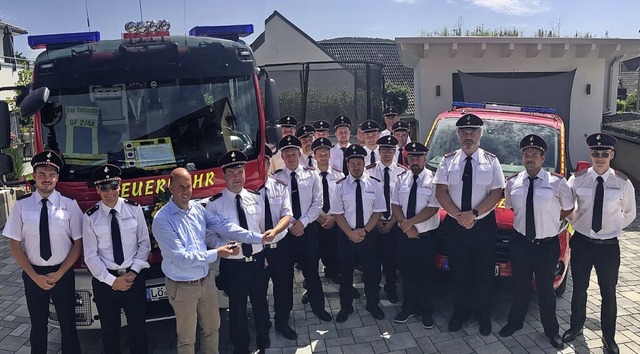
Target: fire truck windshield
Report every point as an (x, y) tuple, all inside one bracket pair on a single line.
[(153, 126)]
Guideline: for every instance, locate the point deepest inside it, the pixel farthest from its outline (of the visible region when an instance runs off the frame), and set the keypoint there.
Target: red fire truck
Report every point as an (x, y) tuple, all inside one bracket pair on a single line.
[(504, 127), (148, 102)]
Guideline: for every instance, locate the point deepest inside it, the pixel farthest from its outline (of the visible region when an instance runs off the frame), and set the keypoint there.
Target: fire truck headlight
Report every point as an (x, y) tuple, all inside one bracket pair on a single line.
[(130, 27), (142, 26), (153, 26), (164, 25)]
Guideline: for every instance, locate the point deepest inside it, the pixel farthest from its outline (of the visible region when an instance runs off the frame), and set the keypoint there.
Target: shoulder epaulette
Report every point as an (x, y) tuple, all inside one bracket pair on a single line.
[(66, 196), (513, 175), (403, 172), (580, 173), (450, 153), (489, 153), (262, 186), (370, 166), (309, 168), (621, 175), (335, 169), (131, 202), (341, 179), (277, 171), (556, 174), (92, 210), (281, 182), (216, 196), (374, 178), (24, 196), (252, 191)]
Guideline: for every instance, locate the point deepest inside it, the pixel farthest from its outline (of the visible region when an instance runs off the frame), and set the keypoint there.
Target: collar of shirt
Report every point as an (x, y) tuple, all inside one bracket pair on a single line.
[(173, 208), (366, 148), (232, 196), (523, 177), (54, 198), (298, 171), (593, 174), (118, 207), (421, 176), (392, 167), (351, 180)]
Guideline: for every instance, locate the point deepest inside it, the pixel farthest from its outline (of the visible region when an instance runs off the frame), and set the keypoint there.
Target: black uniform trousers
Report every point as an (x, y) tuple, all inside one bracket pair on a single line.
[(388, 248), (605, 258), (109, 302), (63, 296), (528, 258), (471, 254), (242, 279), (305, 250), (328, 243), (418, 270), (368, 253), (280, 272)]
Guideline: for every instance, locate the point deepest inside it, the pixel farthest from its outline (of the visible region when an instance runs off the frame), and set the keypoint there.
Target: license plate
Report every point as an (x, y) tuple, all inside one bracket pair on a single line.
[(156, 293), (445, 263), (497, 270)]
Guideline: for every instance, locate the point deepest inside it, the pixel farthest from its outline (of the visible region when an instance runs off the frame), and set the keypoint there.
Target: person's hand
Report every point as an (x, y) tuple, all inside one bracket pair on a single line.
[(297, 229), (413, 232), (321, 219), (329, 222), (121, 284), (380, 226), (43, 282), (466, 219), (405, 225), (52, 278), (268, 236), (129, 276), (356, 236), (387, 228), (227, 250)]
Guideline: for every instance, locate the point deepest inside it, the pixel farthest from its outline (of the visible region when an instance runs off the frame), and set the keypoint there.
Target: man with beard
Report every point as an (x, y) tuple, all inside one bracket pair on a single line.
[(541, 201), (416, 209), (342, 130), (469, 183)]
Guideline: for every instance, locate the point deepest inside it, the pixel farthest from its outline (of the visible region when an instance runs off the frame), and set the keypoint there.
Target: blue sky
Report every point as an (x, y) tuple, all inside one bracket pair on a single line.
[(323, 19)]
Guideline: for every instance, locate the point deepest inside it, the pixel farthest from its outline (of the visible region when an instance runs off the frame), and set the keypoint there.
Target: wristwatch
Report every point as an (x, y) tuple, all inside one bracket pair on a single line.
[(475, 212)]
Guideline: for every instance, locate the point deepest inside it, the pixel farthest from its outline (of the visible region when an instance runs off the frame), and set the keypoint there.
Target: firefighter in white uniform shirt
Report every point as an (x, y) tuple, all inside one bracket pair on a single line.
[(357, 206), (306, 135), (321, 128), (386, 171), (371, 131), (243, 274), (605, 204), (342, 131), (415, 207), (288, 126), (401, 132), (116, 247), (390, 115), (541, 201)]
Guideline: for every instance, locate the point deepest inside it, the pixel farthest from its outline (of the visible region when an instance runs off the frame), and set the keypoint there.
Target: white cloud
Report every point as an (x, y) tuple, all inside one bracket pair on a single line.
[(514, 7)]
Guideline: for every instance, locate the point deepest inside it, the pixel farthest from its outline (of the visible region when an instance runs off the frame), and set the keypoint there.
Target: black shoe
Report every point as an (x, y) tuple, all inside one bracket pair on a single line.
[(375, 311), (456, 322), (556, 342), (287, 331), (323, 315), (403, 316), (427, 321), (610, 346), (392, 296), (571, 334), (355, 293), (343, 314), (509, 330), (305, 297), (485, 326)]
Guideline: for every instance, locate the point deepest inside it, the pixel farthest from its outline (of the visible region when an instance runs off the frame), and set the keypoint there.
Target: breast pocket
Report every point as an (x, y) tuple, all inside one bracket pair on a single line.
[(543, 198), (422, 197), (455, 176), (484, 175), (59, 222), (585, 195), (103, 236), (612, 199), (129, 228), (31, 222)]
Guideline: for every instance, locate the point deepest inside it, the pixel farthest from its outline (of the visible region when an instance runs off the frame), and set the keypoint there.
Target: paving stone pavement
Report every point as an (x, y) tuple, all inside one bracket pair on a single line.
[(363, 334)]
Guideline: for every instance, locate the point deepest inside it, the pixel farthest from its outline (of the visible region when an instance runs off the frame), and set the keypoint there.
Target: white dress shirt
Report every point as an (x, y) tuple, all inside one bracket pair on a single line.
[(377, 171), (98, 245), (276, 162), (65, 226), (425, 197), (344, 201), (487, 176), (337, 155), (333, 176), (367, 159), (279, 202), (225, 207), (304, 160), (619, 203), (310, 191), (551, 194)]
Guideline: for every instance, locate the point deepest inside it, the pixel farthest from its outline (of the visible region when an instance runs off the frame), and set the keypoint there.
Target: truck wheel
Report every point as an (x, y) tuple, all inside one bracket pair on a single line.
[(563, 286)]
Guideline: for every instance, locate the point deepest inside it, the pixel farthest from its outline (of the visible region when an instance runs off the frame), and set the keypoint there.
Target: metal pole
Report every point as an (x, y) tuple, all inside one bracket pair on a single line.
[(638, 91)]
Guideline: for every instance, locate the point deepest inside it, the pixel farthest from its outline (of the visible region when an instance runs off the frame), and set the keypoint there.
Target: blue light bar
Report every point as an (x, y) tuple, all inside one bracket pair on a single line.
[(230, 31), (504, 107), (62, 39)]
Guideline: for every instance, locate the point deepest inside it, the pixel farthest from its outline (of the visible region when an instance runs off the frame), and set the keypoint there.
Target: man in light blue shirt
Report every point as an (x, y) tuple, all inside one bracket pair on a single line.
[(180, 228)]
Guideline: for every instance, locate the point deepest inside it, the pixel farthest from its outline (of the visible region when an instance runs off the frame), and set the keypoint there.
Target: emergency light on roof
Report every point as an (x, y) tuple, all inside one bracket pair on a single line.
[(62, 39), (227, 32), (504, 107)]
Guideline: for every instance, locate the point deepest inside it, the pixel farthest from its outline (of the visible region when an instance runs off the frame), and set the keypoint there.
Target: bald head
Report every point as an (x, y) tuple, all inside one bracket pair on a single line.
[(180, 187), (179, 172)]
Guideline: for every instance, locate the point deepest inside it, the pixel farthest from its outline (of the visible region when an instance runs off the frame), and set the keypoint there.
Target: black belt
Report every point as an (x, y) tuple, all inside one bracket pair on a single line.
[(597, 241), (118, 272), (539, 241), (189, 282), (271, 245), (254, 257)]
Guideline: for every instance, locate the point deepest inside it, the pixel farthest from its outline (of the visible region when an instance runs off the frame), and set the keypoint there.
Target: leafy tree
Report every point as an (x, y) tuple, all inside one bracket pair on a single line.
[(397, 96), (24, 77)]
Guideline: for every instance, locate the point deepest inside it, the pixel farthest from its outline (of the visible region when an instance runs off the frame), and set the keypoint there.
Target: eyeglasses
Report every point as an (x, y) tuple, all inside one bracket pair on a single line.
[(108, 187), (602, 154)]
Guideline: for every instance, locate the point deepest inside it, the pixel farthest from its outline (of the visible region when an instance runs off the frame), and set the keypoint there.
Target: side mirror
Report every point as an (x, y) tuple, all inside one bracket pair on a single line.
[(34, 102), (5, 126), (6, 164), (271, 105)]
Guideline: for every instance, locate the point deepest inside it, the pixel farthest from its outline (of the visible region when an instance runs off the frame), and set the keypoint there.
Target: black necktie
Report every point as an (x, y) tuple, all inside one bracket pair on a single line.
[(411, 208), (268, 219), (359, 208), (467, 180), (326, 204), (387, 192), (45, 241), (530, 218), (345, 169), (247, 250), (116, 239), (310, 161), (373, 157), (596, 219), (400, 159), (295, 197)]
